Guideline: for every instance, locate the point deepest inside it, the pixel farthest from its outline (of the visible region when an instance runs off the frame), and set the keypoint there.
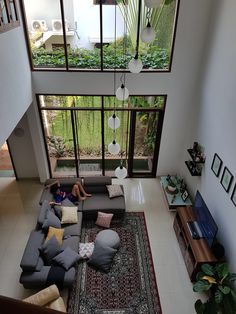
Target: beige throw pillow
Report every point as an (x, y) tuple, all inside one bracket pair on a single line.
[(114, 190), (69, 215)]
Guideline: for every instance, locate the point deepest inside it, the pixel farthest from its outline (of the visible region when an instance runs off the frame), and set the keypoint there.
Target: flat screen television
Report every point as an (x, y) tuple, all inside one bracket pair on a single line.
[(204, 220)]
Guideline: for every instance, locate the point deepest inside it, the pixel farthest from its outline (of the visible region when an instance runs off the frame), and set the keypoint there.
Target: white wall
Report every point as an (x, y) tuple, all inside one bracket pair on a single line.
[(22, 151), (216, 122), (15, 80), (181, 85)]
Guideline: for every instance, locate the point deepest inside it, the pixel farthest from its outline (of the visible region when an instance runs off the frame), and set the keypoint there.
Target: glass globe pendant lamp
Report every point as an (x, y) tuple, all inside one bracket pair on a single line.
[(114, 148), (122, 93), (121, 172), (135, 65), (152, 3), (114, 122), (148, 34)]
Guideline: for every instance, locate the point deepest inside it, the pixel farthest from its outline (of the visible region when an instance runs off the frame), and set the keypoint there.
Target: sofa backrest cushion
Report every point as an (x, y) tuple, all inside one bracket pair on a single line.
[(31, 253), (43, 212), (96, 184)]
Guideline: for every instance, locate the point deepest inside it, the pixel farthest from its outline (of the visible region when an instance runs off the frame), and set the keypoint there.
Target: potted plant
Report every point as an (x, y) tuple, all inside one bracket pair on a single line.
[(217, 281)]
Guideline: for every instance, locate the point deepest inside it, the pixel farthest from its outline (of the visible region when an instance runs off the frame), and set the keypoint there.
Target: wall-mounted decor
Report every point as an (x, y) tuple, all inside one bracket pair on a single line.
[(233, 196), (226, 179), (216, 165), (184, 195)]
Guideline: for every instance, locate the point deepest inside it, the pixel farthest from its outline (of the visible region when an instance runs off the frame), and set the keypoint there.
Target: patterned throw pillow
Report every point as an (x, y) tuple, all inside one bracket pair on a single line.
[(114, 190), (57, 232), (104, 220), (69, 215), (86, 249)]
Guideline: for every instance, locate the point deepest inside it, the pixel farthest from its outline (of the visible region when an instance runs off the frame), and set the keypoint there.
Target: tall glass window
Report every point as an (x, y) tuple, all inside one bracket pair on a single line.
[(99, 35)]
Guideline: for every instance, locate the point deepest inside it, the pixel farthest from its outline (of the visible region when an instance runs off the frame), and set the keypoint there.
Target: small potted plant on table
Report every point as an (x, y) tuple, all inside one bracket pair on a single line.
[(217, 281)]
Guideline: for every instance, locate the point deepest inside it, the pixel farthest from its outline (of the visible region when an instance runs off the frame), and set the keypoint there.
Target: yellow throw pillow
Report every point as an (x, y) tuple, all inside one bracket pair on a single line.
[(58, 233), (69, 215)]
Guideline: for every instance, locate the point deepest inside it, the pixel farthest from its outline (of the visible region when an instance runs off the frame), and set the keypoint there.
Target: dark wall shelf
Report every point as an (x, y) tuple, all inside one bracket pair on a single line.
[(194, 157), (195, 165), (191, 166)]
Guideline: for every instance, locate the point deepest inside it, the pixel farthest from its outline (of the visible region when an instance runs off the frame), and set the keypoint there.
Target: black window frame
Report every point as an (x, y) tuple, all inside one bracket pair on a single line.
[(4, 27), (67, 68)]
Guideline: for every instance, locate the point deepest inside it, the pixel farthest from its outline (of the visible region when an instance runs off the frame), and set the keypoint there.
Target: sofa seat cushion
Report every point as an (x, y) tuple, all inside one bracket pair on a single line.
[(31, 253), (72, 242), (38, 279), (73, 229), (102, 202)]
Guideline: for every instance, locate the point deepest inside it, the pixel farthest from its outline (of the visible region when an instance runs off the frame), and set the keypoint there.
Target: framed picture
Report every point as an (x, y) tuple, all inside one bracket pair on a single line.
[(184, 195), (233, 196), (216, 165), (226, 179)]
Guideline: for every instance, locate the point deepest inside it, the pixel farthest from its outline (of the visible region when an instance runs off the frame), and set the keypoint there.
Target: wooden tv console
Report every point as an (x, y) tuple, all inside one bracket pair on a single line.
[(195, 251)]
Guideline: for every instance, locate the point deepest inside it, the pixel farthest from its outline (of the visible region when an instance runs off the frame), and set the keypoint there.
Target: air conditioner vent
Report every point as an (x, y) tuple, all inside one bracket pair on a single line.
[(39, 26), (57, 25)]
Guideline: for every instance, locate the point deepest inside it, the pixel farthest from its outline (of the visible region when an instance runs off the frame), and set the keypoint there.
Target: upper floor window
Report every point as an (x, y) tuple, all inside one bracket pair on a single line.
[(88, 38), (8, 15)]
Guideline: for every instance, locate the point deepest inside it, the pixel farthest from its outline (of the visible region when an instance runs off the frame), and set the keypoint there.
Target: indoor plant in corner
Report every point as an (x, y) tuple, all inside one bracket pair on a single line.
[(217, 281)]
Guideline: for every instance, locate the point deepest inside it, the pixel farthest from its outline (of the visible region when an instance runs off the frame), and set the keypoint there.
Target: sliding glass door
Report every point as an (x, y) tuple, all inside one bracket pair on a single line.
[(77, 134), (145, 130)]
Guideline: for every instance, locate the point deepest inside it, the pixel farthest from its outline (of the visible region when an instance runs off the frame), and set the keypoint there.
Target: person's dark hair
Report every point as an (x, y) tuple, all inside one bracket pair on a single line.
[(54, 188)]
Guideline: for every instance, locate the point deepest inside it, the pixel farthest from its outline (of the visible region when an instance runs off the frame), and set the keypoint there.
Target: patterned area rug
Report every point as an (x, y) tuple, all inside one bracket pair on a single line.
[(130, 286)]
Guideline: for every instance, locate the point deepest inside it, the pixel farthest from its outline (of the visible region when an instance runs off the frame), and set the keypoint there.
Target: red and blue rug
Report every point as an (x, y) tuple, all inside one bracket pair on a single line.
[(130, 286)]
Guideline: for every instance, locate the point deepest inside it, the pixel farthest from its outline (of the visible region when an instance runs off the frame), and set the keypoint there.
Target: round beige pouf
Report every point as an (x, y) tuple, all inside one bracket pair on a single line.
[(108, 238)]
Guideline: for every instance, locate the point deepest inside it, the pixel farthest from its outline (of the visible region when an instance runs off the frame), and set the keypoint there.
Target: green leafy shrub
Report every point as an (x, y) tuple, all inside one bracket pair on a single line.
[(217, 281), (157, 58)]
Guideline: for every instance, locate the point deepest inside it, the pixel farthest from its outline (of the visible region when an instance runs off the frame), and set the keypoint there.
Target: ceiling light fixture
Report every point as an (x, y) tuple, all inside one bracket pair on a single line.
[(135, 64), (148, 34)]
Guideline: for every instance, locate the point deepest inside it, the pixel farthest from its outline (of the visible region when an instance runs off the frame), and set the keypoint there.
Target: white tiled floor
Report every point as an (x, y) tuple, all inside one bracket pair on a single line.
[(18, 212)]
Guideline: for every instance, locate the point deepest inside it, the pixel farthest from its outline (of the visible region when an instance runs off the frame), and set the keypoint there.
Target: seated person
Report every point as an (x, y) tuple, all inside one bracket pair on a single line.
[(74, 196)]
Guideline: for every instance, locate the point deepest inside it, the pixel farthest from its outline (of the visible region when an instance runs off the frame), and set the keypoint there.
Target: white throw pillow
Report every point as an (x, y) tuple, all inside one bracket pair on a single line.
[(69, 215), (114, 190), (86, 249)]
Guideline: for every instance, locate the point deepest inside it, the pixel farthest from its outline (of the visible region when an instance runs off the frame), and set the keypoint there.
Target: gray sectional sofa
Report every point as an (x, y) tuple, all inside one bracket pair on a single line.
[(34, 270)]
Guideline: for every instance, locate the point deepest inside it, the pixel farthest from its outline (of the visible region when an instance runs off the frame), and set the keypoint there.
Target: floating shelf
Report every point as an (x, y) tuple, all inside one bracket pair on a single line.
[(192, 155), (191, 166)]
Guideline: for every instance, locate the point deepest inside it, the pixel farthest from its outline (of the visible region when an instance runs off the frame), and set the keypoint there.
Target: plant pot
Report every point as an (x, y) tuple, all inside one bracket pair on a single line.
[(172, 188)]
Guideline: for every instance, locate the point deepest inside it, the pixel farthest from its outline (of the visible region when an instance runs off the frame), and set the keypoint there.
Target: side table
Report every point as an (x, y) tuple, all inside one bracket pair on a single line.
[(173, 200)]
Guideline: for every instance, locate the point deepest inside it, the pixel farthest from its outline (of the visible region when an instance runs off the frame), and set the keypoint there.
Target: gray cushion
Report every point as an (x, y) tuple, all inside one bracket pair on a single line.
[(30, 256), (50, 249), (43, 212), (96, 184), (37, 279), (46, 196), (40, 264), (102, 257), (108, 238), (67, 258), (73, 229), (72, 242), (51, 220), (101, 202)]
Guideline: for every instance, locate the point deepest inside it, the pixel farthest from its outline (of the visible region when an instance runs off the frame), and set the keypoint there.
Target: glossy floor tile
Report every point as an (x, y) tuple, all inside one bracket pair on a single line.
[(18, 213)]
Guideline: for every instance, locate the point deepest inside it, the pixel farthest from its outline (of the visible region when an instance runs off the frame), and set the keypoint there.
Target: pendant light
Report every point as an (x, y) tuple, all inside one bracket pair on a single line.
[(148, 34), (152, 3), (135, 64), (114, 122), (121, 172), (122, 92), (114, 148)]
